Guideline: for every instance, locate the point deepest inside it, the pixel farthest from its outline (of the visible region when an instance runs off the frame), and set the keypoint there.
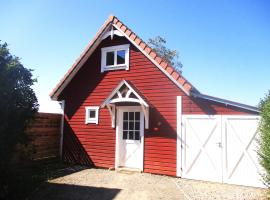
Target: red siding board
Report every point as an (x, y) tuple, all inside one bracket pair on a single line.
[(95, 144)]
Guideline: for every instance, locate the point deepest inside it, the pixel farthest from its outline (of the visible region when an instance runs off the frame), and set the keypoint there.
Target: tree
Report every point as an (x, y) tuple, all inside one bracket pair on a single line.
[(158, 43), (18, 106), (264, 140)]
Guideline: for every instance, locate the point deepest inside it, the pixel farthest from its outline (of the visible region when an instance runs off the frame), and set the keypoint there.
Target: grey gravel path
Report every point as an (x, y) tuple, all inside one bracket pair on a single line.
[(92, 184)]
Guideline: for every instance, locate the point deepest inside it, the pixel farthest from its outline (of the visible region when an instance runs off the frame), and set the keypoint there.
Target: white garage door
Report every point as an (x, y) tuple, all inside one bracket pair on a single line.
[(220, 149)]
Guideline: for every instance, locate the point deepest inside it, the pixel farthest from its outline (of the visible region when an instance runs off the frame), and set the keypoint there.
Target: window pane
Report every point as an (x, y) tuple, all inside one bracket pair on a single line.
[(131, 116), (137, 125), (124, 135), (137, 115), (137, 135), (131, 135), (125, 115), (121, 57), (131, 125), (109, 58), (92, 113), (125, 126)]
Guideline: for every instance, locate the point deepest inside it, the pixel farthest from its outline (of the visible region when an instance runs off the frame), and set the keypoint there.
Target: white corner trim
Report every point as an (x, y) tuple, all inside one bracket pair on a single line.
[(179, 136), (89, 120), (153, 61), (116, 48), (62, 128)]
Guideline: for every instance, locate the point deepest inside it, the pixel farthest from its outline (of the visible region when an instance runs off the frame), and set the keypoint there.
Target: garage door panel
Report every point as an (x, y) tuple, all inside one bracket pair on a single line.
[(202, 155), (241, 165)]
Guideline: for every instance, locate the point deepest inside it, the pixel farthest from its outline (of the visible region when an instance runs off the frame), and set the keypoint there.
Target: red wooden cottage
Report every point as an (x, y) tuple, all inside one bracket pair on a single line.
[(124, 106)]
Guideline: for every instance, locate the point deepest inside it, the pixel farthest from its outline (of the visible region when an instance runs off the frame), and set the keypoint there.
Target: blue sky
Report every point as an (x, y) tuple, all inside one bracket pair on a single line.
[(223, 45)]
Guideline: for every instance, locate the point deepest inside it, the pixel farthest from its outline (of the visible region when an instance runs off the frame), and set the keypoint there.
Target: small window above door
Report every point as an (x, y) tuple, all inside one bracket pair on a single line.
[(115, 57)]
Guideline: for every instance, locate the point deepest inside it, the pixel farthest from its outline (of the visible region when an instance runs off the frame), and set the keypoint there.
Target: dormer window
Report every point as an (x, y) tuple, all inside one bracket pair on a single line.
[(115, 57)]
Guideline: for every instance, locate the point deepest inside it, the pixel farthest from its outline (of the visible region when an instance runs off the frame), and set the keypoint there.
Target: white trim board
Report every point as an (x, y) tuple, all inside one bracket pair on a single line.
[(179, 136)]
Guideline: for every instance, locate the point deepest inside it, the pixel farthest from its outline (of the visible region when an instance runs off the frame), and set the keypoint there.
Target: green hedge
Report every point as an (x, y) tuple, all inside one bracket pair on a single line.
[(264, 141)]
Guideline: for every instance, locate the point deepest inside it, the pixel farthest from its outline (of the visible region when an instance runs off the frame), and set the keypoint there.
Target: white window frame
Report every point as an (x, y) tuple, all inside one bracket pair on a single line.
[(104, 51), (89, 120)]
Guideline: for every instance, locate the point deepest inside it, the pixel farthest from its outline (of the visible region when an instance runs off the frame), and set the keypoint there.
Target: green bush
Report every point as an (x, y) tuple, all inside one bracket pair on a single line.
[(264, 141), (18, 106)]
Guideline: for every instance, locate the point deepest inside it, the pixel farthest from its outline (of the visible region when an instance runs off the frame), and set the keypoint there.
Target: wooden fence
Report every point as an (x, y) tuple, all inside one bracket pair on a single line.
[(45, 132)]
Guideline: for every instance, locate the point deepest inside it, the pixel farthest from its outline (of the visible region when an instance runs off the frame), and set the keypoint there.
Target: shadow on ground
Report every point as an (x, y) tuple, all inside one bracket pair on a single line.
[(57, 191)]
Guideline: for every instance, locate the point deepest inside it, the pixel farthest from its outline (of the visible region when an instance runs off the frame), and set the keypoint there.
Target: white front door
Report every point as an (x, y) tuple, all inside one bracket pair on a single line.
[(130, 137)]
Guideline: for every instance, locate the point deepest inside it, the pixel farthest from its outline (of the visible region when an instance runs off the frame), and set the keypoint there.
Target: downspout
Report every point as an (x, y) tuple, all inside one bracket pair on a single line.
[(62, 104)]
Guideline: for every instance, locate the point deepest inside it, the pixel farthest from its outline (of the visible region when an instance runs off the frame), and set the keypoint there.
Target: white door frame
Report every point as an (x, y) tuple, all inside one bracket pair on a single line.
[(119, 110)]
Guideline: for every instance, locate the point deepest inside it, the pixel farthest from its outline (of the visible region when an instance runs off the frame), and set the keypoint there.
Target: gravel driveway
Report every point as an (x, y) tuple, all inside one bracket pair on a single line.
[(92, 184)]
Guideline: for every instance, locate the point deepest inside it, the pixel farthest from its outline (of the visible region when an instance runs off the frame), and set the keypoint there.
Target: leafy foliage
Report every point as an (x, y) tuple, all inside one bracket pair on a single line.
[(264, 140), (18, 106), (158, 43)]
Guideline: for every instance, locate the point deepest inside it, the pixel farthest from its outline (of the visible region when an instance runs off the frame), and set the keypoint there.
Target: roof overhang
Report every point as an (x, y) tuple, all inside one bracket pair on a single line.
[(226, 102), (124, 93)]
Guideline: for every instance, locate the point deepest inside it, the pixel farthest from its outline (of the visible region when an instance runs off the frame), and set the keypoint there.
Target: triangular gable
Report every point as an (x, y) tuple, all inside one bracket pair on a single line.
[(124, 93), (122, 29)]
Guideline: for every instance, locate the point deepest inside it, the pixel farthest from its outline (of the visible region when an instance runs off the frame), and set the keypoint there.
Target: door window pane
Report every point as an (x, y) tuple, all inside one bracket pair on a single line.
[(137, 115), (137, 135), (137, 125), (110, 58), (125, 135), (130, 135), (131, 116), (125, 126), (125, 115), (121, 57), (131, 125)]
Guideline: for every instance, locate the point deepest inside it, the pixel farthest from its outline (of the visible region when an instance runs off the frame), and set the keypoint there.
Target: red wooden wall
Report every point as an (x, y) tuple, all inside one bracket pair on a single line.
[(95, 144)]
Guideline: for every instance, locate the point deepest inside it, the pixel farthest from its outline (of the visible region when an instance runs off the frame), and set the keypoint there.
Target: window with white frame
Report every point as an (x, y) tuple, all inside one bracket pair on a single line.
[(115, 57), (91, 114)]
